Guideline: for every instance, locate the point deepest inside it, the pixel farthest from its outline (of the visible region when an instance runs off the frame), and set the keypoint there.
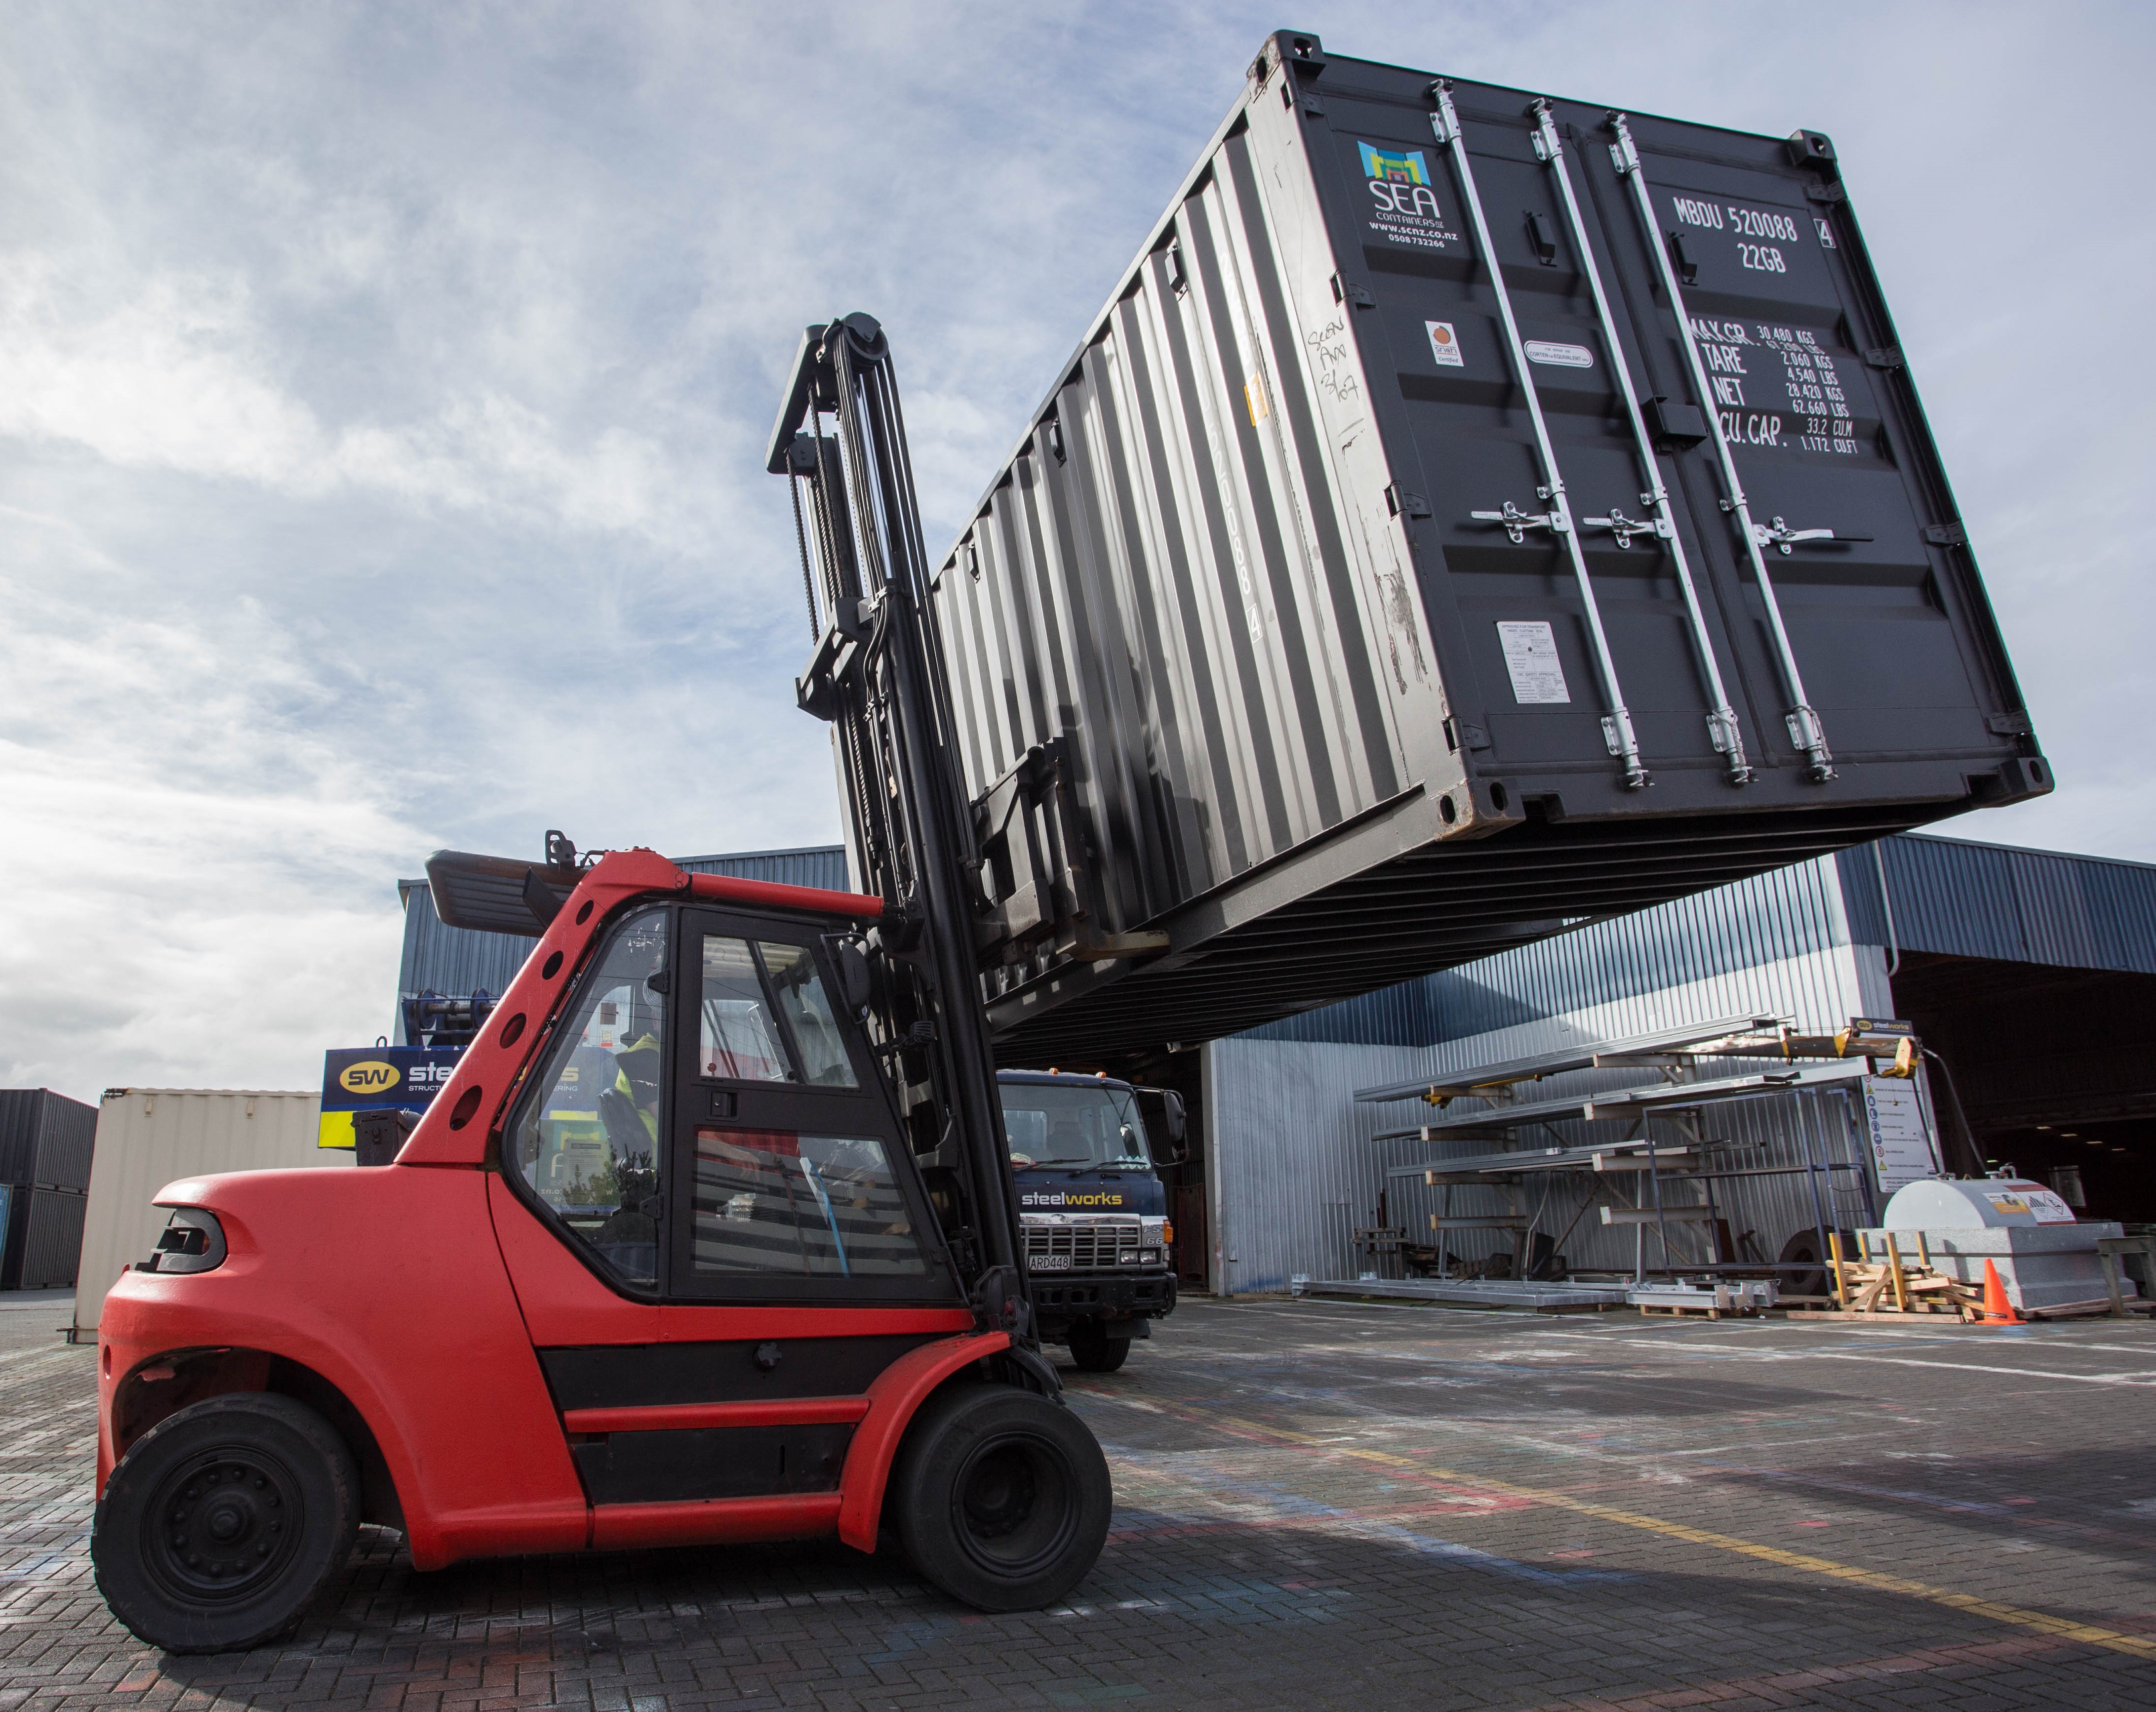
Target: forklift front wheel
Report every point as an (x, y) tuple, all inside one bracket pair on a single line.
[(224, 1522), (1001, 1497)]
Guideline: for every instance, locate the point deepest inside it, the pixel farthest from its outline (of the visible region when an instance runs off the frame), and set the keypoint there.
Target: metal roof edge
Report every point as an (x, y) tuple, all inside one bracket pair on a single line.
[(2064, 855), (249, 1093)]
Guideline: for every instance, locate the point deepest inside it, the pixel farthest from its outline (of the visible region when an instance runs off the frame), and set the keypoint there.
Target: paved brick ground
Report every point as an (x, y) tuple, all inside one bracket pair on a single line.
[(1319, 1505)]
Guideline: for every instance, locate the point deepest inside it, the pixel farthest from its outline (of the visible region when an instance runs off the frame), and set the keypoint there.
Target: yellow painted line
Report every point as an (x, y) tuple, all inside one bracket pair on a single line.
[(2066, 1628)]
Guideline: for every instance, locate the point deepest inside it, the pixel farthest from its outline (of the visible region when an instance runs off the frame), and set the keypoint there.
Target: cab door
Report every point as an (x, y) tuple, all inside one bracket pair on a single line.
[(794, 1254)]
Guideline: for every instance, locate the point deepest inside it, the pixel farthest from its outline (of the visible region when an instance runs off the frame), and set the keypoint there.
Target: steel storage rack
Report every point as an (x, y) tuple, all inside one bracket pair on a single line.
[(1473, 514), (1675, 1179)]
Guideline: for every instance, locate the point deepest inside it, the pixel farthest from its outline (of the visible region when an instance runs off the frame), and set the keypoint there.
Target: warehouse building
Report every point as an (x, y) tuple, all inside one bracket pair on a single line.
[(2030, 973)]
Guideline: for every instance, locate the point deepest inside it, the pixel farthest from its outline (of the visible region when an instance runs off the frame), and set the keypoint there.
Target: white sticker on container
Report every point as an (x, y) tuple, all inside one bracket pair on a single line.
[(1531, 658), (1559, 356), (1445, 344)]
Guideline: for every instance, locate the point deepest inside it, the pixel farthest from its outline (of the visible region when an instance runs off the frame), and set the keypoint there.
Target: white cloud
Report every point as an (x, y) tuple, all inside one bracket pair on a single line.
[(383, 393)]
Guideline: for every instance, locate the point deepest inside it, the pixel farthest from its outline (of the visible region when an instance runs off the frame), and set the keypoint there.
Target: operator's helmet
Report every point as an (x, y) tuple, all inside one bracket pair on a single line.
[(638, 1062)]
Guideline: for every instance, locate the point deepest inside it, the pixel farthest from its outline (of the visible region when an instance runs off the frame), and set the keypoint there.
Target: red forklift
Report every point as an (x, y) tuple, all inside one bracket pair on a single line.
[(712, 1237)]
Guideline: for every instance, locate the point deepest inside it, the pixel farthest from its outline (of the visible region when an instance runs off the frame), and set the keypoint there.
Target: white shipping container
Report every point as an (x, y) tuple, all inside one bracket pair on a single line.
[(148, 1137)]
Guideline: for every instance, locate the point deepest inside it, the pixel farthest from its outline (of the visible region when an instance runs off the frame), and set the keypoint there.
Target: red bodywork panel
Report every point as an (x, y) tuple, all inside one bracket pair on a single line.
[(423, 1296)]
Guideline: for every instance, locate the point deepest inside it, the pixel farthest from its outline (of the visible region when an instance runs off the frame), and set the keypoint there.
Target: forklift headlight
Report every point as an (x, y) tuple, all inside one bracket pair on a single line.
[(191, 1241)]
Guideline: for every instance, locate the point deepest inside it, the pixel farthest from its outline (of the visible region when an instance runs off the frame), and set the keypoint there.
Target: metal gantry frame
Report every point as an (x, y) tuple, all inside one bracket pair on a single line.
[(1680, 1097)]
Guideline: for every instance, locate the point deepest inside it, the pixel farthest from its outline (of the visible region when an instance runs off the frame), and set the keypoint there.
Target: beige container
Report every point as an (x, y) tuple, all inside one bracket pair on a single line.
[(148, 1137)]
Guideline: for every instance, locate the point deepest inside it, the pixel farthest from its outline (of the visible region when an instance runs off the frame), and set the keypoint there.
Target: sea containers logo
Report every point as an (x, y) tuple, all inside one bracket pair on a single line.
[(1405, 200)]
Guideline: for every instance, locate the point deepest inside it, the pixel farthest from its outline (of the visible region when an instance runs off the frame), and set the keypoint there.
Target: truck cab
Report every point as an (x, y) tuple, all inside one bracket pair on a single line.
[(1092, 1205)]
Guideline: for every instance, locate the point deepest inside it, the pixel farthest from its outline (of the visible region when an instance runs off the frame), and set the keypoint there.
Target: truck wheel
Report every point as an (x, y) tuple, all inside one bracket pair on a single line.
[(1000, 1497), (223, 1522), (1094, 1350)]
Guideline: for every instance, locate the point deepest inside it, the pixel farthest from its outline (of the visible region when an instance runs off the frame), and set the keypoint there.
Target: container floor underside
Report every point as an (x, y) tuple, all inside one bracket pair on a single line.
[(1435, 907)]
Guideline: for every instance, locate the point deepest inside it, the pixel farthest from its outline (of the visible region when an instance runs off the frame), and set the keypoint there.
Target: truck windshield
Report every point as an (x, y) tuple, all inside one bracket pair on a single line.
[(1074, 1128)]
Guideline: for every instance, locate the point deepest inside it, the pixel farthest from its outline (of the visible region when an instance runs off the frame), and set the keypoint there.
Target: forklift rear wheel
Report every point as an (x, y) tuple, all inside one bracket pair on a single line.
[(1001, 1497), (1094, 1350), (224, 1522)]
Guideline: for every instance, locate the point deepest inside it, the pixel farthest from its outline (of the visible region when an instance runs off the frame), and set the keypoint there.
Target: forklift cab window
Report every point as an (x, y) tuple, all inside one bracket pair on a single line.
[(587, 1141), (780, 1202), (749, 1014)]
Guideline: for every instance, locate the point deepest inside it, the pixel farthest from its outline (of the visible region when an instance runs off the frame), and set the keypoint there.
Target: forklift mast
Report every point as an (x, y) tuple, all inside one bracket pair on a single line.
[(877, 675)]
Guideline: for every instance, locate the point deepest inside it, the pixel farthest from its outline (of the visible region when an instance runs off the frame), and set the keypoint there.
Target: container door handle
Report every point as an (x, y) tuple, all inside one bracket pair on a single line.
[(1723, 730), (1617, 720), (1802, 719)]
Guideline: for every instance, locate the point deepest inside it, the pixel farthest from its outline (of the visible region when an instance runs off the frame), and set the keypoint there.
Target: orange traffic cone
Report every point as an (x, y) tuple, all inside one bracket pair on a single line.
[(1997, 1309)]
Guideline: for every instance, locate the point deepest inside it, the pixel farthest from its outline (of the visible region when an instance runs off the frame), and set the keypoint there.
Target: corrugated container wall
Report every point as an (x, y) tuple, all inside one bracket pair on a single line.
[(1292, 1166), (52, 1240), (439, 958), (45, 1137), (148, 1137), (1379, 571)]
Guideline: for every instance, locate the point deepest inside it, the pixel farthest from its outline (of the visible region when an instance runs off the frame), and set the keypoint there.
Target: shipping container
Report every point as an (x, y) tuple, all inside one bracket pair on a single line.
[(44, 1254), (149, 1137), (1472, 515), (45, 1137)]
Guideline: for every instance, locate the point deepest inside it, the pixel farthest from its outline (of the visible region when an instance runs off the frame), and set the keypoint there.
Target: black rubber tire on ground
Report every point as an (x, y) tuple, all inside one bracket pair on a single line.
[(1094, 1350), (224, 1523), (1000, 1497)]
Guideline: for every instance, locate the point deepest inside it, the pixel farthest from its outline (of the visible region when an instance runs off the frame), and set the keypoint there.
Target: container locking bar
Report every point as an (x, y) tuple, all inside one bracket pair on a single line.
[(1722, 727), (1617, 723), (1805, 731)]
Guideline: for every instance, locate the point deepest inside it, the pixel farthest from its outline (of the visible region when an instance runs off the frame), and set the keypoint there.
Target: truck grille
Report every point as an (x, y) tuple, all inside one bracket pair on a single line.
[(1096, 1242)]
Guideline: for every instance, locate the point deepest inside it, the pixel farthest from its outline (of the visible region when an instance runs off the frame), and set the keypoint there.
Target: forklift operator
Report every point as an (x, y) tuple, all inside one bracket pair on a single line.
[(636, 1079)]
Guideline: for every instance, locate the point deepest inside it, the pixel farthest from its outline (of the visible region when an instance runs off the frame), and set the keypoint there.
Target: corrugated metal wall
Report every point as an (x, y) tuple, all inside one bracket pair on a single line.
[(2016, 905), (1294, 1168), (148, 1137), (456, 961)]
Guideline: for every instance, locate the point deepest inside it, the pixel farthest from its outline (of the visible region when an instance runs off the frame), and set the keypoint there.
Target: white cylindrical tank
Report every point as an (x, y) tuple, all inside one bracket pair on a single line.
[(148, 1137), (1974, 1203), (2047, 1258)]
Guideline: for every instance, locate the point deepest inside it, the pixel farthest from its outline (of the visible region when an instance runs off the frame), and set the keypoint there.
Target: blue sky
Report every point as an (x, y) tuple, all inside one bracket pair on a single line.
[(382, 389)]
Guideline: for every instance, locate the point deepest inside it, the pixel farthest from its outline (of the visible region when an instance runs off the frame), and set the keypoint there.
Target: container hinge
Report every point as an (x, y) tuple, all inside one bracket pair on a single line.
[(1825, 193), (1474, 738), (1313, 106), (1516, 522), (1779, 534), (1886, 357), (1946, 535), (1414, 504), (1346, 291), (2007, 724), (1624, 528)]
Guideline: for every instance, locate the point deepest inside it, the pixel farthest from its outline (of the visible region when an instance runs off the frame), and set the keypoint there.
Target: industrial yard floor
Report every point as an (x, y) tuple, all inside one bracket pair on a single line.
[(1320, 1505)]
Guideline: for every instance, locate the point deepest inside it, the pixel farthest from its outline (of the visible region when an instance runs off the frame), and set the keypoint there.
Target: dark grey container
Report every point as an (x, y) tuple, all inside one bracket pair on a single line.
[(45, 1139), (1380, 620), (44, 1245)]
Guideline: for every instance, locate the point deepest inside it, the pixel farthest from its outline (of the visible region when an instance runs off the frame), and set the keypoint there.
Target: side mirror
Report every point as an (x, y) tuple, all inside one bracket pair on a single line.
[(853, 975), (1169, 1123)]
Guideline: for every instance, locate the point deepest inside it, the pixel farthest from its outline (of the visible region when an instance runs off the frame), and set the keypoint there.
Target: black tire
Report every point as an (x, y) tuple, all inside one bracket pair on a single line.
[(1094, 1350), (1000, 1497), (224, 1523)]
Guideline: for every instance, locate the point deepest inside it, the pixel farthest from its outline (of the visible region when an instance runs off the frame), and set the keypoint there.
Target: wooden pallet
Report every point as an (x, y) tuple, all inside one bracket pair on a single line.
[(1901, 1288)]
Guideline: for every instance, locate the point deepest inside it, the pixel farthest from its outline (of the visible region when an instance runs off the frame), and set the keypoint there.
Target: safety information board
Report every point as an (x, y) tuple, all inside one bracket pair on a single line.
[(1902, 1147)]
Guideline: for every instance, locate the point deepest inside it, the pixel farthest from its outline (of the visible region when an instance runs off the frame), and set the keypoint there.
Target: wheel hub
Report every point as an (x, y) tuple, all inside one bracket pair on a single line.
[(223, 1524), (1013, 1503)]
